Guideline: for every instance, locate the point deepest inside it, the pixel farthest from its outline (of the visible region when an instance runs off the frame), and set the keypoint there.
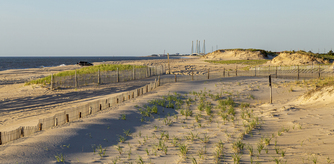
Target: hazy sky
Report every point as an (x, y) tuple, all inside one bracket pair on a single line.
[(144, 27)]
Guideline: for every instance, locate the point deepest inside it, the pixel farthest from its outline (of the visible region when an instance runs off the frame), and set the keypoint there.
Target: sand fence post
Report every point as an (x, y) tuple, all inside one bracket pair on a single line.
[(98, 76), (51, 87), (319, 71), (236, 71), (208, 73), (162, 68), (271, 89), (117, 76), (255, 71), (146, 71), (297, 72), (150, 69), (22, 131), (133, 72), (0, 139), (192, 75), (224, 72), (159, 80), (168, 63), (75, 80), (156, 70), (175, 78), (276, 72), (40, 125)]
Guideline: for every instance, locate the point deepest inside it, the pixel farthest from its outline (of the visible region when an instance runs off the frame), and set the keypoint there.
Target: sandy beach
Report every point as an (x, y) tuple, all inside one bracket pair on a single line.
[(291, 129)]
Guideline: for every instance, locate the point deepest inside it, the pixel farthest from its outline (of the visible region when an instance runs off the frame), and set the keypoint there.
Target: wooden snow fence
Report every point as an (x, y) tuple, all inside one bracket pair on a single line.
[(74, 113)]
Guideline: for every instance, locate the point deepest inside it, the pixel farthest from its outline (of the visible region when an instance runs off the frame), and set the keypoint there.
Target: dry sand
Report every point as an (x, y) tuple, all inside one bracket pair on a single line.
[(307, 124), (24, 105)]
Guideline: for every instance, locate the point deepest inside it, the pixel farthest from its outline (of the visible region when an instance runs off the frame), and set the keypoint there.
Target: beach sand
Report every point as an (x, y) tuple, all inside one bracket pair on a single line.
[(300, 130), (23, 105)]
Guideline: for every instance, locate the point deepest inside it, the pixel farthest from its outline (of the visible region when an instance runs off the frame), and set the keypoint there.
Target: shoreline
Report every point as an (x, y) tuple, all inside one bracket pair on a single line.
[(79, 58)]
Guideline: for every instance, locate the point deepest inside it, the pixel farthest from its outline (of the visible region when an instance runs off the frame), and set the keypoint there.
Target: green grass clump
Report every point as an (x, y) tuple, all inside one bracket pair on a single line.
[(228, 101), (84, 70), (245, 62), (238, 146)]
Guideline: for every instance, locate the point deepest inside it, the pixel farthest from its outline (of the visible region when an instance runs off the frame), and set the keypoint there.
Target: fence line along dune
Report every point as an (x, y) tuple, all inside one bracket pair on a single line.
[(291, 58), (235, 54), (74, 113)]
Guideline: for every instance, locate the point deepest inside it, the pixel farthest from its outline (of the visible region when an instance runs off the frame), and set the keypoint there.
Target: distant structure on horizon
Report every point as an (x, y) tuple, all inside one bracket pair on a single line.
[(198, 48)]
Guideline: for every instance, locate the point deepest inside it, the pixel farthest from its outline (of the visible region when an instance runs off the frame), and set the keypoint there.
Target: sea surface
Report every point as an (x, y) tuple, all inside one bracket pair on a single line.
[(37, 62)]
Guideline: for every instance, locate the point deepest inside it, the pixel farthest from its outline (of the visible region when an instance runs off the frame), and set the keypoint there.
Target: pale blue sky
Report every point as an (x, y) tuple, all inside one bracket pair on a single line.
[(144, 27)]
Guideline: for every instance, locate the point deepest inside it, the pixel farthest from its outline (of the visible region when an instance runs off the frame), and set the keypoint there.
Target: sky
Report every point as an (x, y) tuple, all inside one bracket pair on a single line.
[(144, 27)]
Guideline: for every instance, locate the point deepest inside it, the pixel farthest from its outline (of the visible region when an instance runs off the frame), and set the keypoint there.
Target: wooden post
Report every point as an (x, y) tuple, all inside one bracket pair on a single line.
[(0, 139), (298, 72), (271, 94), (319, 71), (22, 132), (192, 75), (75, 79), (98, 76), (67, 118), (224, 72), (117, 75), (175, 78), (276, 72), (255, 71), (208, 73), (133, 73), (40, 126), (269, 70), (162, 67), (159, 80), (236, 71), (51, 87), (146, 71), (164, 70), (168, 64)]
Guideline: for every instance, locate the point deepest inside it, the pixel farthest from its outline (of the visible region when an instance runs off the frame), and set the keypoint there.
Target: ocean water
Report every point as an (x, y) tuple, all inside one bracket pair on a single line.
[(37, 62)]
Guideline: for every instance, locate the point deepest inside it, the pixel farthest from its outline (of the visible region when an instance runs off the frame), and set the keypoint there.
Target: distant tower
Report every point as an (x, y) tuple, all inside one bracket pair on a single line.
[(192, 47), (199, 46), (203, 47)]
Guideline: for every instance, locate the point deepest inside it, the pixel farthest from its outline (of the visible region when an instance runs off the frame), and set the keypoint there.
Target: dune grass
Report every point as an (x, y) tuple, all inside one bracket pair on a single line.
[(246, 62), (84, 70)]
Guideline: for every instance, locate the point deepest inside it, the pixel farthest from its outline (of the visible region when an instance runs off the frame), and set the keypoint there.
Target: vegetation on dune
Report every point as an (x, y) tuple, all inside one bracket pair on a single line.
[(326, 56), (84, 70), (319, 84), (246, 62), (266, 53)]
